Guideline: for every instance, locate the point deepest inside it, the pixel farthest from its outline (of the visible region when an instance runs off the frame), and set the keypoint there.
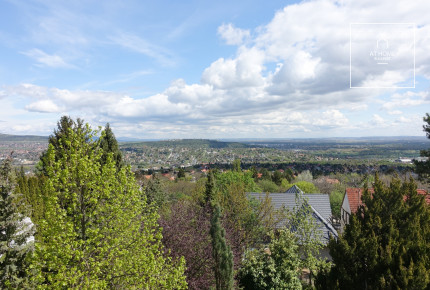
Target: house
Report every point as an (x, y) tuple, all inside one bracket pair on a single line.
[(319, 204), (352, 201)]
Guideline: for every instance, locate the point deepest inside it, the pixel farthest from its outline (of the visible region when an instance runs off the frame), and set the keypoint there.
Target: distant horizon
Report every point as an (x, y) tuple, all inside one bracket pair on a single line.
[(131, 139)]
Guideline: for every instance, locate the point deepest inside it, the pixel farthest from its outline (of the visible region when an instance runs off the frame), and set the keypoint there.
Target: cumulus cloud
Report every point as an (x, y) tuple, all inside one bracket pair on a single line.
[(233, 35), (291, 74), (43, 106)]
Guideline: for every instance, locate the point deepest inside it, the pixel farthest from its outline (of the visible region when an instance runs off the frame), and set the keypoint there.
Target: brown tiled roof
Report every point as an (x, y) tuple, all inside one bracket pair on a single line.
[(354, 197)]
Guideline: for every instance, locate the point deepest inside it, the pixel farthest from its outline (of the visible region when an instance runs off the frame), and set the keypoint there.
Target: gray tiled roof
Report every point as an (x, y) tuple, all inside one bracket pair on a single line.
[(294, 189), (320, 205)]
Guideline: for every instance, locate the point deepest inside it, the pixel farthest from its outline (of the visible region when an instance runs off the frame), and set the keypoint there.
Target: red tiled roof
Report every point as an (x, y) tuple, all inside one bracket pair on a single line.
[(354, 197)]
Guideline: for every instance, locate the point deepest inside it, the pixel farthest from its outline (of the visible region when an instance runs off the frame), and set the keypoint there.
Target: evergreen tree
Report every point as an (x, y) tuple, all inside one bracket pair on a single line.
[(387, 243), (109, 144), (221, 252), (154, 191), (15, 234), (181, 173), (97, 231), (423, 167)]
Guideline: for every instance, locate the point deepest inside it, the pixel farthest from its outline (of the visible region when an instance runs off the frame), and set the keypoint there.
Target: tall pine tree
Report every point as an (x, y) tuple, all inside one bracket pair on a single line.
[(15, 234)]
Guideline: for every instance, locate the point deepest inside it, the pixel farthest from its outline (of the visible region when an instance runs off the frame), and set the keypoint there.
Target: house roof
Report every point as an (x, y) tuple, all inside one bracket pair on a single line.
[(354, 197), (319, 203), (294, 189)]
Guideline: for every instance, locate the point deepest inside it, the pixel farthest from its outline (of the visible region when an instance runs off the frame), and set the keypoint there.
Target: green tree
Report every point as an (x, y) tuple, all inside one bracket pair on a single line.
[(236, 165), (336, 198), (423, 167), (15, 233), (221, 253), (386, 245), (155, 192), (98, 232), (181, 173), (277, 177), (275, 267), (109, 144), (58, 140), (302, 223)]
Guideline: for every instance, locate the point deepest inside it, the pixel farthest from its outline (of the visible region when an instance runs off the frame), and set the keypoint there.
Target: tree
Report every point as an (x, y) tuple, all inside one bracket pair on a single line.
[(15, 234), (423, 167), (275, 267), (98, 231), (109, 144), (277, 177), (386, 245), (181, 173), (305, 176), (155, 192), (221, 252), (58, 140), (236, 165), (302, 223), (186, 234)]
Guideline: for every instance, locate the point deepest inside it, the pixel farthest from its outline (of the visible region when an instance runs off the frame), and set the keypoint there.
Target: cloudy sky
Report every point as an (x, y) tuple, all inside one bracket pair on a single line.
[(216, 69)]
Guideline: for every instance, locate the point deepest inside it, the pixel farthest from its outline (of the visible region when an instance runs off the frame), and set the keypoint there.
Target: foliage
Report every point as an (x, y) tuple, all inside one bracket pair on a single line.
[(32, 190), (181, 173), (221, 253), (155, 192), (423, 167), (97, 231), (306, 187), (304, 176), (109, 145), (336, 198), (268, 186), (302, 223), (277, 177), (236, 165), (275, 267), (186, 233), (15, 233), (386, 245)]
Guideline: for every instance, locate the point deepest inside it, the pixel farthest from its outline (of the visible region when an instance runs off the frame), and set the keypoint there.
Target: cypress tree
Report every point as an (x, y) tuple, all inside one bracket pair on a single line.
[(221, 252), (15, 234)]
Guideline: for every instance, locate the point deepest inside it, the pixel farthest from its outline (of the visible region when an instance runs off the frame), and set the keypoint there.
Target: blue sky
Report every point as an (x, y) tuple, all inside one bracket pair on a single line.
[(215, 69)]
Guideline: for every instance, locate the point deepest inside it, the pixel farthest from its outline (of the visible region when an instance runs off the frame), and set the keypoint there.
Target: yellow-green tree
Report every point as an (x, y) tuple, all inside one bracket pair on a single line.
[(98, 232)]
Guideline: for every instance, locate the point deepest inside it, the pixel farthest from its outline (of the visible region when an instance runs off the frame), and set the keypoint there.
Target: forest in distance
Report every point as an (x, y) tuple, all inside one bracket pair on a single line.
[(83, 217)]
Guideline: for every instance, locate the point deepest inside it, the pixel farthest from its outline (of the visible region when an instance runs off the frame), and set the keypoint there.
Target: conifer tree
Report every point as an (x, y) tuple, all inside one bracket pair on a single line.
[(97, 231), (15, 234), (109, 144), (221, 252), (423, 167), (387, 243)]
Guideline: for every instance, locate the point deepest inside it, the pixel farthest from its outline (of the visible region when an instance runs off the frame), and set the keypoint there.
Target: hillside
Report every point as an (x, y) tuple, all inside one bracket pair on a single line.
[(22, 138), (189, 143)]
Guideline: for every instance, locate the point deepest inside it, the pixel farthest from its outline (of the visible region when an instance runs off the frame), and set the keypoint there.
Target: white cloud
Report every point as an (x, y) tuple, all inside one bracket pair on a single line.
[(407, 99), (43, 106), (49, 60), (233, 35)]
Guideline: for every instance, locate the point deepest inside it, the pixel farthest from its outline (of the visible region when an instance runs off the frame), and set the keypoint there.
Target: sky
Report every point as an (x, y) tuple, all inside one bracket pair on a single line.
[(216, 69)]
